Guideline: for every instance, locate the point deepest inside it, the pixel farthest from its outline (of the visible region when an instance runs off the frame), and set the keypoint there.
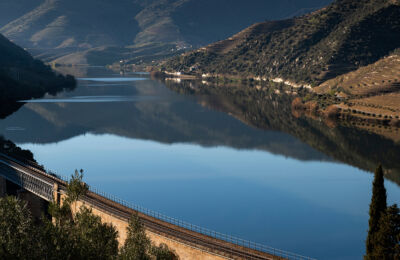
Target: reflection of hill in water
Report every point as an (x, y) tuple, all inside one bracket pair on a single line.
[(167, 118), (268, 111)]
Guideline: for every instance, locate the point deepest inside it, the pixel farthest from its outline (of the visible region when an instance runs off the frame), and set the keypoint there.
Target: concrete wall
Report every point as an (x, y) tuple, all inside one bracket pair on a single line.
[(183, 251)]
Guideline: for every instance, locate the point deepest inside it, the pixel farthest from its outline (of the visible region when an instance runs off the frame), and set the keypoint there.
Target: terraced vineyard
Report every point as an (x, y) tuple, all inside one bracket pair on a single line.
[(371, 93), (380, 77)]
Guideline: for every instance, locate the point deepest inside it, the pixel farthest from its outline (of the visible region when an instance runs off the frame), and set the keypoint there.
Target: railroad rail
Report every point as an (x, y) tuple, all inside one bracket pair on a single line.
[(34, 178)]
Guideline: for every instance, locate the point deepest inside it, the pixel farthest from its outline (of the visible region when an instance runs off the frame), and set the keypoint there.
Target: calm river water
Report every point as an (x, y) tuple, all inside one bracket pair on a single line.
[(176, 154)]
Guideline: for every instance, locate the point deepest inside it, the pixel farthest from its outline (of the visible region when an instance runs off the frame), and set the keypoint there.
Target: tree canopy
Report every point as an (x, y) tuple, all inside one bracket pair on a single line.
[(68, 236), (383, 241)]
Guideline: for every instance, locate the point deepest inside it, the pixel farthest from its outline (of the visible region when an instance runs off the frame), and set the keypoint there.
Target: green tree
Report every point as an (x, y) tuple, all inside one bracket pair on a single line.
[(94, 239), (162, 252), (137, 244), (91, 239), (377, 208), (387, 238), (83, 236), (62, 215), (54, 241), (22, 238), (16, 229), (76, 188), (139, 247)]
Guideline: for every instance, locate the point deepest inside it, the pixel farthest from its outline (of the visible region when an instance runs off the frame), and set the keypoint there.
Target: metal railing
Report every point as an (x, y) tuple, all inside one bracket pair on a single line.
[(204, 231), (27, 181), (31, 183)]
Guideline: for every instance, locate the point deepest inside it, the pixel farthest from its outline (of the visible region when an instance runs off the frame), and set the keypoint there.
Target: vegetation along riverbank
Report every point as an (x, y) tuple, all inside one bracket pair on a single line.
[(346, 54)]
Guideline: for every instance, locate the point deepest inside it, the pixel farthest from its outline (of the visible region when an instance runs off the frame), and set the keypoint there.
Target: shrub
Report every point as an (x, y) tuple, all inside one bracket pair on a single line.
[(332, 112), (297, 103)]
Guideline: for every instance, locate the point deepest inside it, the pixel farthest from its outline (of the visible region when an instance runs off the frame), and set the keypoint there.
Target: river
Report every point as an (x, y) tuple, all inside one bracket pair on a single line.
[(195, 159)]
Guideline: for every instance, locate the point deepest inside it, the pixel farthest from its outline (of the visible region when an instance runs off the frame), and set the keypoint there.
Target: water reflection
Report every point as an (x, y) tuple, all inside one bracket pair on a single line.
[(353, 144), (145, 110), (113, 79), (92, 99), (240, 162)]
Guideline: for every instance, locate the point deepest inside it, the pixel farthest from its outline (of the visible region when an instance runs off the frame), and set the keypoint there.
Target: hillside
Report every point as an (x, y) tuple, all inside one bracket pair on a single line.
[(23, 77), (206, 21), (380, 77), (11, 10), (310, 49), (369, 95), (74, 23), (58, 28)]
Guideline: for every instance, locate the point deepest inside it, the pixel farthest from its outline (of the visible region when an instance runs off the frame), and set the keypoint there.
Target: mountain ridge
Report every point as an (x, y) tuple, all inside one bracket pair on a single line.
[(23, 77), (314, 48), (61, 26)]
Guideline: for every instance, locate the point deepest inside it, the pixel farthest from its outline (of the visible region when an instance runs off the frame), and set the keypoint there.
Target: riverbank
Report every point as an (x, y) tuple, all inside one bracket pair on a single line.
[(334, 109), (369, 95)]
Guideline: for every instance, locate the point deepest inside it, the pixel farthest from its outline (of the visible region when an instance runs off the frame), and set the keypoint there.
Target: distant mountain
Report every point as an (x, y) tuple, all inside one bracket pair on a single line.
[(23, 77), (201, 22), (311, 49), (76, 27), (75, 23)]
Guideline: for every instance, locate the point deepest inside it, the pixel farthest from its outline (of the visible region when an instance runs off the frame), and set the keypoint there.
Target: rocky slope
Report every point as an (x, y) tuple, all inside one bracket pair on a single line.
[(57, 28), (309, 49), (73, 23)]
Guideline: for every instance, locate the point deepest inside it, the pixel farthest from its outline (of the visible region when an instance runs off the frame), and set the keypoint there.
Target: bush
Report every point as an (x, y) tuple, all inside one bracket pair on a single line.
[(16, 229), (311, 106), (83, 236), (139, 246), (332, 112), (297, 103)]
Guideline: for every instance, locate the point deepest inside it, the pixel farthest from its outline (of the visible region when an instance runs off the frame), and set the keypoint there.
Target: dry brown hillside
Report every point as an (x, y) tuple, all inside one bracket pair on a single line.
[(369, 94), (380, 77)]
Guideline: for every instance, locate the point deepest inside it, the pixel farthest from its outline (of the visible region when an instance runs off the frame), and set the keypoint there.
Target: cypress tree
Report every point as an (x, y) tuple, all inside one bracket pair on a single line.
[(387, 239), (376, 209)]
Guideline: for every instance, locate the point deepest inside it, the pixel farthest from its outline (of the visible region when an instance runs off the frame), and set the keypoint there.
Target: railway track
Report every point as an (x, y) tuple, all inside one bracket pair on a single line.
[(153, 224), (177, 233)]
